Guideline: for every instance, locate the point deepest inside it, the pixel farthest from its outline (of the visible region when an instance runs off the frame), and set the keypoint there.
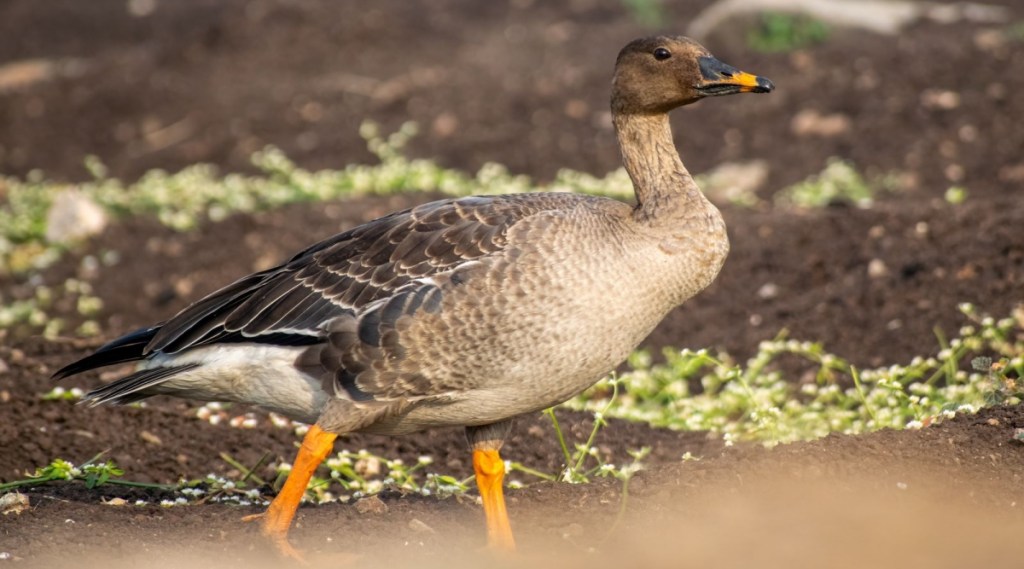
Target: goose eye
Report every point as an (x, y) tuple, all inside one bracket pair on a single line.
[(662, 54)]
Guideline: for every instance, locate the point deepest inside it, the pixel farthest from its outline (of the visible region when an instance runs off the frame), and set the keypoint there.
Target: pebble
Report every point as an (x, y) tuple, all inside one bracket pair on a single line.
[(572, 530), (810, 122), (13, 503), (940, 99), (877, 269), (768, 291), (371, 505), (73, 216), (735, 181), (420, 527)]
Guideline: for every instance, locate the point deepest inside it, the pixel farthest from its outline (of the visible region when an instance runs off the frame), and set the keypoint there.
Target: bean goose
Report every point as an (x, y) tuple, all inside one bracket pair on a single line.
[(464, 312)]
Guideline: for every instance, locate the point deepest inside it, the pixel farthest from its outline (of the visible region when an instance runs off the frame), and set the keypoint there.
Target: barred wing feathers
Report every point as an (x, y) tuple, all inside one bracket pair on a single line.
[(341, 275)]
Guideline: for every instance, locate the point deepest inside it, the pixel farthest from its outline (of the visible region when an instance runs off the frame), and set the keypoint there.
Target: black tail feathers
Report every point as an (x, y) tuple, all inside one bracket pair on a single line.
[(128, 348)]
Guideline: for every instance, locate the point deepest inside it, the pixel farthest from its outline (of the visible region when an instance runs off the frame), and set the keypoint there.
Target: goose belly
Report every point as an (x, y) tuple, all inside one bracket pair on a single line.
[(566, 328)]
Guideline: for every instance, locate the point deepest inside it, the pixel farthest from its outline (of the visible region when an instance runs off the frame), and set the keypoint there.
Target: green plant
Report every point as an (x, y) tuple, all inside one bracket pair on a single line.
[(782, 32), (1015, 31), (213, 488), (31, 315), (59, 393), (184, 199), (584, 461), (756, 401), (956, 195), (90, 472), (352, 475), (838, 182), (647, 13)]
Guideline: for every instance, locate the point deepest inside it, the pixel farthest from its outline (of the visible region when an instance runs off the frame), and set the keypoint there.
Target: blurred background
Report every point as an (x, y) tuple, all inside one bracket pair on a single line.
[(925, 90)]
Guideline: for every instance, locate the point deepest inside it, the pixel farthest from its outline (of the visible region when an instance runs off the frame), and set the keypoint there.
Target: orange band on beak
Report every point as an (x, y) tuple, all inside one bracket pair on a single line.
[(748, 82)]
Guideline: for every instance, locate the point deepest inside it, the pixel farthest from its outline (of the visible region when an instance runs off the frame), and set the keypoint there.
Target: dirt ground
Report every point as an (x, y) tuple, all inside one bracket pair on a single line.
[(525, 84)]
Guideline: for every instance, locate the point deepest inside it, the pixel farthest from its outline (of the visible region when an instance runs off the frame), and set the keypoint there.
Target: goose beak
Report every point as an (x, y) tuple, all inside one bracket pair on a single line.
[(723, 79)]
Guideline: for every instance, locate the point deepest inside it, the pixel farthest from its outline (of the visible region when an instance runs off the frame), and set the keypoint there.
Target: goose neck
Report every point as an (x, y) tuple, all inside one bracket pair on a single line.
[(664, 188)]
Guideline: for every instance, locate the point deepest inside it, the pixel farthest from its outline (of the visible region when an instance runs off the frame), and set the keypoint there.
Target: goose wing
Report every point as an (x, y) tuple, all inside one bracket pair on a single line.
[(291, 304)]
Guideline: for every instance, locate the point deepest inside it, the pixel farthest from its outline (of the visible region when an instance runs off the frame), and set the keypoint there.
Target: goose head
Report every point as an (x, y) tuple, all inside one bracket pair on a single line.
[(657, 74)]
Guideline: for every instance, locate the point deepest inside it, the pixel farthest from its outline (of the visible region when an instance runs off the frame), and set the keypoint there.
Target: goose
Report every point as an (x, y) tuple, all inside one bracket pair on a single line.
[(461, 312)]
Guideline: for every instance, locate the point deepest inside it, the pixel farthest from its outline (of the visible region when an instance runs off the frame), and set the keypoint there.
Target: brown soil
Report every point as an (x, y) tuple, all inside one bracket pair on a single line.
[(525, 84)]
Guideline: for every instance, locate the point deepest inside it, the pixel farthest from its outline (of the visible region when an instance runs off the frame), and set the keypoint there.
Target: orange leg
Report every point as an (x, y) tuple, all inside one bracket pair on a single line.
[(490, 472), (278, 518)]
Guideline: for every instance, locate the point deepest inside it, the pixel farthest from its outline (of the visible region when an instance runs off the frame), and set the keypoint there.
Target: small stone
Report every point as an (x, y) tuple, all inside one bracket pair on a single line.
[(966, 272), (1013, 173), (577, 109), (768, 291), (572, 530), (735, 182), (420, 527), (150, 438), (877, 269), (812, 123), (19, 75), (940, 99), (990, 40), (312, 111), (73, 216), (968, 133), (996, 91), (13, 503), (371, 505), (141, 8), (445, 125)]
